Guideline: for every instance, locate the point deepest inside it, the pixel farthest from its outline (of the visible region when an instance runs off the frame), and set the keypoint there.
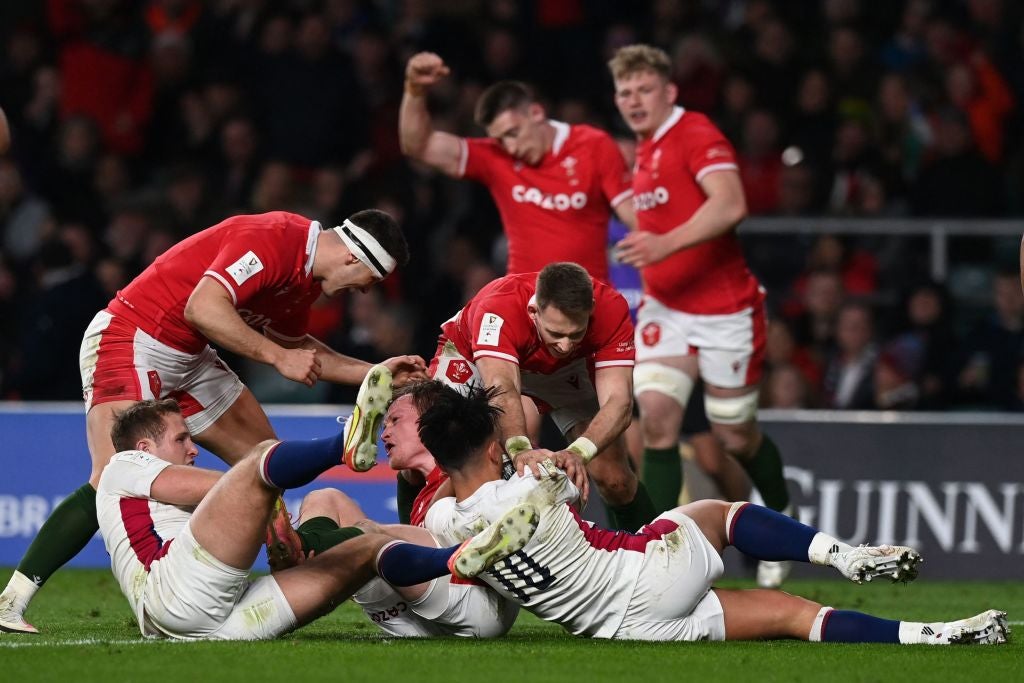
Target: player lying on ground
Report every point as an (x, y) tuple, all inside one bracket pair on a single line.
[(657, 584), (183, 539)]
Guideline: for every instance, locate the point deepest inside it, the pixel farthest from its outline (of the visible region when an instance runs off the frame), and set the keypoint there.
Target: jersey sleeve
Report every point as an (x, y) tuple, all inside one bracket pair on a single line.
[(709, 151), (495, 330), (131, 474), (249, 262), (445, 524), (615, 179), (477, 159), (612, 330)]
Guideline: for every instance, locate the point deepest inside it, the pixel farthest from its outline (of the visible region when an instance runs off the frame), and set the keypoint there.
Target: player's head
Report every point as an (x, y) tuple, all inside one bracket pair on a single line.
[(368, 248), (562, 308), (644, 91), (401, 426), (156, 427), (458, 429), (510, 114)]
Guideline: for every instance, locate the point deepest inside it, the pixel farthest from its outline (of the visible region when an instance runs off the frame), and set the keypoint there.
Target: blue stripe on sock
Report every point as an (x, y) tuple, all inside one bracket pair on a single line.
[(407, 564), (845, 626), (768, 535)]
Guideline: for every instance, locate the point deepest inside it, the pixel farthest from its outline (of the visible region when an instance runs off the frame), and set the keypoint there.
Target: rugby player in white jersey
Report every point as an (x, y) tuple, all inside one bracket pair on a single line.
[(656, 584), (182, 539)]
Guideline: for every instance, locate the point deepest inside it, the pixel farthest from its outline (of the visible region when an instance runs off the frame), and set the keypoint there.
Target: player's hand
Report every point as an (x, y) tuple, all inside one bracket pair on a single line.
[(424, 70), (299, 365), (572, 464), (535, 460), (406, 369), (641, 248)]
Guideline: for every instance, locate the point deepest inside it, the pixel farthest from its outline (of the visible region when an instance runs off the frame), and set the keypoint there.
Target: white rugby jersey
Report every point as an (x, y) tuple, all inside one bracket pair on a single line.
[(136, 529), (571, 572)]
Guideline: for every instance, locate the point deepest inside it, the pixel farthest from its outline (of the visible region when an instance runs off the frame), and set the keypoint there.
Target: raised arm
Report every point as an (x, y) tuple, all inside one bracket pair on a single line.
[(416, 132), (721, 212), (211, 311)]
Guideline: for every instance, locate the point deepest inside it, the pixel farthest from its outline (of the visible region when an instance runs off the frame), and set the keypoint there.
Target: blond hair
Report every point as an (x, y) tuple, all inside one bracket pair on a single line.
[(635, 58)]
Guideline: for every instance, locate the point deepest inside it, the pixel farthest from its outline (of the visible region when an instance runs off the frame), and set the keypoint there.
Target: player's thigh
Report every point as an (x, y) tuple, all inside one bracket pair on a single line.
[(262, 613), (731, 347), (98, 422), (237, 430), (678, 569)]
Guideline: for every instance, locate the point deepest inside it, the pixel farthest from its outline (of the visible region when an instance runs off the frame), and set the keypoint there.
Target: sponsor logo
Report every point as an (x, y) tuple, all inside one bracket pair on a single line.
[(245, 267), (254, 319), (458, 371), (547, 200), (716, 152), (490, 329), (651, 334), (645, 201), (624, 346)]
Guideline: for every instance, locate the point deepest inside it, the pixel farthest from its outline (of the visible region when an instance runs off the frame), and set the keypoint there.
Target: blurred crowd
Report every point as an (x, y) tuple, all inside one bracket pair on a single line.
[(138, 122)]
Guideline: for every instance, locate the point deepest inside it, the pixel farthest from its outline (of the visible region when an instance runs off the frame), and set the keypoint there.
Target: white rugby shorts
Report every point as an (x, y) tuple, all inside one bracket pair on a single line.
[(191, 595), (730, 348), (120, 362), (672, 598)]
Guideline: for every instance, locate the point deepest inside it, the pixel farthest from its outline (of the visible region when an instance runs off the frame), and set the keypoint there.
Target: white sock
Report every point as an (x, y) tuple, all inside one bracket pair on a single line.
[(919, 632), (823, 547), (20, 589), (816, 634)]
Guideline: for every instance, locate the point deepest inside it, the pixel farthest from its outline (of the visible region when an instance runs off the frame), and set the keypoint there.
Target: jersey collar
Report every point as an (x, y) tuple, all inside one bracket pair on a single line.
[(311, 242), (561, 135), (673, 119)]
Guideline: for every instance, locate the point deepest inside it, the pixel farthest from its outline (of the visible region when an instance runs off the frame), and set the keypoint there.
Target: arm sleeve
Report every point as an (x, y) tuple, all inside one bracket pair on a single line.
[(709, 152), (615, 178), (248, 263), (476, 159), (613, 330), (494, 328), (131, 473)]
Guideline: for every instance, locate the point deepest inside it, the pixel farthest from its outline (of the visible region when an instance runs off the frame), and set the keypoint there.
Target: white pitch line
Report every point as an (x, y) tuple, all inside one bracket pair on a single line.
[(12, 644)]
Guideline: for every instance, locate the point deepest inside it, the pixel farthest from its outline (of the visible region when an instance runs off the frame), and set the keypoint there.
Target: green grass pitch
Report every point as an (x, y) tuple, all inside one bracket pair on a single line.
[(89, 635)]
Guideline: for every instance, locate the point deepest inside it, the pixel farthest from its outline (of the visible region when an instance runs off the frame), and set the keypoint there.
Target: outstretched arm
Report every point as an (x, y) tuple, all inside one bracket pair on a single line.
[(341, 369), (181, 485), (416, 132)]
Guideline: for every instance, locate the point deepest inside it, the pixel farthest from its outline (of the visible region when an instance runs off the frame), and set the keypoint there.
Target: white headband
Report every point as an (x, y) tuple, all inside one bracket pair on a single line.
[(366, 248)]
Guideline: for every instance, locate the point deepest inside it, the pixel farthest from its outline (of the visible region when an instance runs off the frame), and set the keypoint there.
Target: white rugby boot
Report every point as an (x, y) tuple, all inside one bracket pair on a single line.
[(363, 425), (987, 628), (504, 537), (868, 562)]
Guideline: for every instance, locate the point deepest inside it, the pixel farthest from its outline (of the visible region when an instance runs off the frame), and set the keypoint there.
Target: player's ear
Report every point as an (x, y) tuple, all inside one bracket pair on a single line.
[(494, 452), (672, 91), (536, 112)]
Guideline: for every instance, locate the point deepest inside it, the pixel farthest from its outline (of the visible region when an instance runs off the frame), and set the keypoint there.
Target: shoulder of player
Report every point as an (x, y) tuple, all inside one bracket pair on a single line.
[(582, 135), (693, 123), (606, 296)]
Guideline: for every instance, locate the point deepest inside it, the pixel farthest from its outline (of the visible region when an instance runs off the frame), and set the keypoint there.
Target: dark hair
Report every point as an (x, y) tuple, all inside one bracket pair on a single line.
[(567, 287), (455, 427), (385, 230), (144, 419), (500, 97)]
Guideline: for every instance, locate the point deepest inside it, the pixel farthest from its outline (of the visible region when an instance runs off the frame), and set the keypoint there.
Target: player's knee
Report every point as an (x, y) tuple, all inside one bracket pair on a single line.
[(663, 380), (739, 441)]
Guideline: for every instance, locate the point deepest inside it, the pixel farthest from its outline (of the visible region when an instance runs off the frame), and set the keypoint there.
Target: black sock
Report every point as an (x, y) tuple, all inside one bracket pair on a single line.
[(765, 470), (322, 533), (63, 535)]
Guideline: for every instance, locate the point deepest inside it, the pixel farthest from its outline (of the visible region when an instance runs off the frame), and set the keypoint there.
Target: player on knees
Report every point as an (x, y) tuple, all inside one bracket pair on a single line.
[(246, 284), (564, 339), (703, 312), (182, 539)]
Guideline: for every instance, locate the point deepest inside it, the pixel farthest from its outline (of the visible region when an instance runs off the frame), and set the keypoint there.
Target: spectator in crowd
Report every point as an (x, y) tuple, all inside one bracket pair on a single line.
[(848, 383), (995, 344)]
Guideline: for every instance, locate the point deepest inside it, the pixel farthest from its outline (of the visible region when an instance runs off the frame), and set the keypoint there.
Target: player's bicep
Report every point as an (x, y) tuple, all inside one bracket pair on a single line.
[(726, 187), (444, 152), (499, 372)]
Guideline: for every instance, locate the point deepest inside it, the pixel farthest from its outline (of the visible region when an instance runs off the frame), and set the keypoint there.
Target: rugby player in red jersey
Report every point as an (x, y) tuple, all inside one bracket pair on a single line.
[(554, 184), (245, 284), (702, 311)]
